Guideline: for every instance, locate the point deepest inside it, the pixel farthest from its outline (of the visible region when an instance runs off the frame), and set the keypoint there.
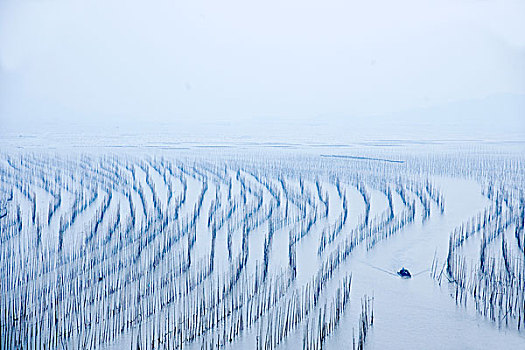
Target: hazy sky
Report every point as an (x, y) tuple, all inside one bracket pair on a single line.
[(247, 60)]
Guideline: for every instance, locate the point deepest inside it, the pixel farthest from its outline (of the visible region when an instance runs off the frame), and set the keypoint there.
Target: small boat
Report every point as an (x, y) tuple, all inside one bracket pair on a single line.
[(404, 273)]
